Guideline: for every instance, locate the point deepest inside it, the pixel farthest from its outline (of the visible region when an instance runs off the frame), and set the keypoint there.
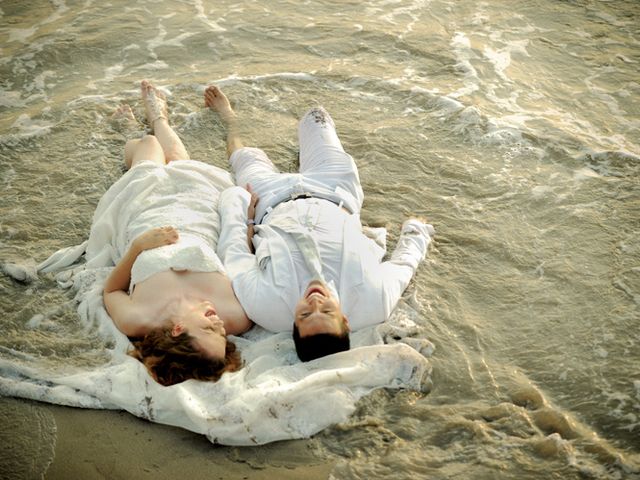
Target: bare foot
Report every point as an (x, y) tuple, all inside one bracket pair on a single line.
[(155, 103), (217, 101), (124, 120), (123, 113)]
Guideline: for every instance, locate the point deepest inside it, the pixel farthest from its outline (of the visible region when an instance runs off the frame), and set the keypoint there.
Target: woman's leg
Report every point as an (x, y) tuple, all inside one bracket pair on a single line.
[(145, 148), (136, 150), (156, 107)]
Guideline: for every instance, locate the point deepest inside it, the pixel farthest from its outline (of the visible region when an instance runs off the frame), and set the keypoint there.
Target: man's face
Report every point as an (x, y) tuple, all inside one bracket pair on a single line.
[(318, 312)]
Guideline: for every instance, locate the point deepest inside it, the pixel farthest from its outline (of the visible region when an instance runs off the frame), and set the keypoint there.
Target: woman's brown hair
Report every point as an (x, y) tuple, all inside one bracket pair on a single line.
[(172, 360)]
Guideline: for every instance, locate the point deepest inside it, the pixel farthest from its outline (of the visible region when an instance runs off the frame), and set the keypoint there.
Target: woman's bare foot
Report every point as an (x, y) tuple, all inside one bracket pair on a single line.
[(155, 103), (123, 113), (124, 121), (216, 100)]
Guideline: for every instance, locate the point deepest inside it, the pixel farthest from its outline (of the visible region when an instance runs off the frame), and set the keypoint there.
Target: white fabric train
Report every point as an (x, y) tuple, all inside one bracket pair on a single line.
[(273, 397)]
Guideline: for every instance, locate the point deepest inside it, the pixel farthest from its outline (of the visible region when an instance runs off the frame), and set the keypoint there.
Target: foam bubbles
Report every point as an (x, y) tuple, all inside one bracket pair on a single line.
[(202, 16), (21, 34), (501, 135), (10, 98), (28, 128), (461, 46), (501, 58)]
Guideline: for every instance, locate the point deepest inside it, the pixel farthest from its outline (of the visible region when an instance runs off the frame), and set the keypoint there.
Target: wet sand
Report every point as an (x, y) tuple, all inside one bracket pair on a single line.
[(47, 441)]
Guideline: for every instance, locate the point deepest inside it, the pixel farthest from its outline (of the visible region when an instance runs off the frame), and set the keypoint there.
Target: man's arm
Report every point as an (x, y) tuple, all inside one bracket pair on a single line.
[(254, 284), (116, 300), (235, 248), (409, 252)]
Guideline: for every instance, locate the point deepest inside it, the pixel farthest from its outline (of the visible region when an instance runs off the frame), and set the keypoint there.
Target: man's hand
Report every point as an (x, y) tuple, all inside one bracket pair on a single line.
[(251, 211), (156, 237), (251, 217), (407, 228)]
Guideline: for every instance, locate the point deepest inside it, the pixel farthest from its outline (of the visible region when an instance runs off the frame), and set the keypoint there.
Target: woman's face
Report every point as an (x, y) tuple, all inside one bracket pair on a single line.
[(200, 320)]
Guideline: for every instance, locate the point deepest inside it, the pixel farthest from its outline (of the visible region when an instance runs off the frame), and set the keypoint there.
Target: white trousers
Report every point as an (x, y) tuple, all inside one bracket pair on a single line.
[(326, 170)]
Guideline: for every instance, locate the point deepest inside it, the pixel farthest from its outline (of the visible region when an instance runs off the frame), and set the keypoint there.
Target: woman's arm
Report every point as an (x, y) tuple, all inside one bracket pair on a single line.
[(116, 299), (121, 275)]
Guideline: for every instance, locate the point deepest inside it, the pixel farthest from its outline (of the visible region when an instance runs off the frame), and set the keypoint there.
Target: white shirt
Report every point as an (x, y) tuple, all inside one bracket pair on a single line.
[(270, 282), (319, 254)]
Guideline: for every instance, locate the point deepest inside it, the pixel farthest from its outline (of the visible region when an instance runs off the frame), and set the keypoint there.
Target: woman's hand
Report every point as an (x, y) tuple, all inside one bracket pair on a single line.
[(156, 237), (118, 280)]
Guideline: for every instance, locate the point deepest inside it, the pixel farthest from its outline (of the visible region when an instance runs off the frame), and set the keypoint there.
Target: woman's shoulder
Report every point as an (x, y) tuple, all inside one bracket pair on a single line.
[(238, 322)]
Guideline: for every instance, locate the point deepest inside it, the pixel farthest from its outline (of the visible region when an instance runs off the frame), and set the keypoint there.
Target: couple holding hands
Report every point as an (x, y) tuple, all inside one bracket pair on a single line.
[(286, 251)]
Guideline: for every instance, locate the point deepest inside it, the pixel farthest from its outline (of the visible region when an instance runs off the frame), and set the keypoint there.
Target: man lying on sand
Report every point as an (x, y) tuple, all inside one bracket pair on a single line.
[(313, 269)]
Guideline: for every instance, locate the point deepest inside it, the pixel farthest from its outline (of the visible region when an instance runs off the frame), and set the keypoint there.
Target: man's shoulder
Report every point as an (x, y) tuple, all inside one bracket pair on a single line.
[(265, 303), (270, 311)]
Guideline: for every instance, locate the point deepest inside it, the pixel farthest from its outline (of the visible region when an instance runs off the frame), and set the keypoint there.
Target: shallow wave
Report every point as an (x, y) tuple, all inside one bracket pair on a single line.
[(513, 127)]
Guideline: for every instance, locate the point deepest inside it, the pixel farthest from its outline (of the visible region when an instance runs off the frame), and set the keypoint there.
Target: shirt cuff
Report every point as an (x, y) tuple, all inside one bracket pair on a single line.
[(415, 226)]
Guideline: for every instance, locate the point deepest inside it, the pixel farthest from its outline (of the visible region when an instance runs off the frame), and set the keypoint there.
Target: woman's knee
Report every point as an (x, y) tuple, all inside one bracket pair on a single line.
[(145, 148), (150, 141)]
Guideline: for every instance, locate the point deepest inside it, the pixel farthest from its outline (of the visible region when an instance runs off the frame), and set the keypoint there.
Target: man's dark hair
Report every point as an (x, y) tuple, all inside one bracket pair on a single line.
[(320, 345)]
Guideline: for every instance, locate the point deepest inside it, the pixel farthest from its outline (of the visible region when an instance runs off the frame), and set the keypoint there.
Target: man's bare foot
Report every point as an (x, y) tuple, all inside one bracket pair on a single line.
[(155, 103), (216, 100)]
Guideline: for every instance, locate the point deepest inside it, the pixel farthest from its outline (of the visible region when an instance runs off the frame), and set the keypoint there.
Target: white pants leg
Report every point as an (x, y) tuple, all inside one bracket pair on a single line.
[(322, 157), (325, 168)]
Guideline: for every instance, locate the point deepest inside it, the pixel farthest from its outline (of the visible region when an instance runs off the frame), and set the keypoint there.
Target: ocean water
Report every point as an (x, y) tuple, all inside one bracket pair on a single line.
[(512, 126)]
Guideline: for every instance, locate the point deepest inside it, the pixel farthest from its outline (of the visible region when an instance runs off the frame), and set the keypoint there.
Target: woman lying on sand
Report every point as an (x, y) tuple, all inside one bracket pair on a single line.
[(168, 290)]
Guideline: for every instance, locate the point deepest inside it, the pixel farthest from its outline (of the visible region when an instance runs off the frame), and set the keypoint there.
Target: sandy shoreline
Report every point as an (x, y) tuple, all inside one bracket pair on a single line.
[(63, 443)]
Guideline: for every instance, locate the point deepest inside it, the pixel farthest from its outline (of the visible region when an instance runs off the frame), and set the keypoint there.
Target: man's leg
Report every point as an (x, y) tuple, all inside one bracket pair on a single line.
[(322, 157), (156, 107), (251, 166), (319, 142), (218, 102)]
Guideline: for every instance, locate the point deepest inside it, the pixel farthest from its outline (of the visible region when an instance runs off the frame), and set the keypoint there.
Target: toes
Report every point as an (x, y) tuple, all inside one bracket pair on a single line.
[(147, 88), (123, 110), (209, 96), (212, 91), (127, 112)]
